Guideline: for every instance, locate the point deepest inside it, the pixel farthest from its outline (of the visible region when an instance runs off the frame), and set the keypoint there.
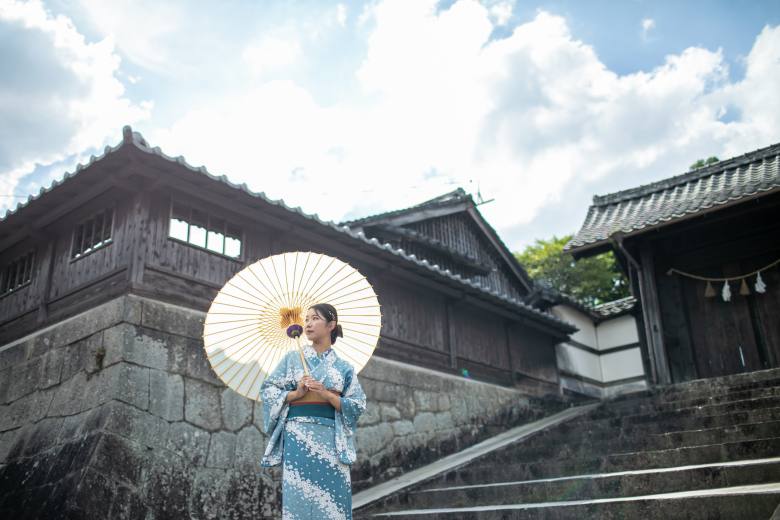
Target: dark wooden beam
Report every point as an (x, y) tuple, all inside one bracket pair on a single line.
[(653, 314)]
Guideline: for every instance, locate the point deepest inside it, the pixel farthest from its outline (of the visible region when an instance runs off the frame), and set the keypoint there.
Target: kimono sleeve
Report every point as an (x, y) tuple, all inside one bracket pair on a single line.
[(353, 400), (274, 392)]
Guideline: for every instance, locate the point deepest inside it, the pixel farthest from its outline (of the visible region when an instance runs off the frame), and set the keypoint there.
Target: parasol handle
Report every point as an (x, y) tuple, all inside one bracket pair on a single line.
[(295, 331), (303, 360)]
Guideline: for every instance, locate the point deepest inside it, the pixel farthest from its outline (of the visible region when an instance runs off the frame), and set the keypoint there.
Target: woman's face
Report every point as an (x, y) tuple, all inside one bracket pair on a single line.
[(316, 327)]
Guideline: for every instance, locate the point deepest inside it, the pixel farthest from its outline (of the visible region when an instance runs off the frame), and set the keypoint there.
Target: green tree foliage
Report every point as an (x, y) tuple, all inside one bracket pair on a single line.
[(593, 280), (704, 162)]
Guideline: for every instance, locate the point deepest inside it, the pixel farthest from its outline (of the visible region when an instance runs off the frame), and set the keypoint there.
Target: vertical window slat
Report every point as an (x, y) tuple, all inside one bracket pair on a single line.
[(86, 243), (92, 233), (77, 239), (97, 232), (108, 225), (28, 263), (18, 273), (17, 279), (6, 276)]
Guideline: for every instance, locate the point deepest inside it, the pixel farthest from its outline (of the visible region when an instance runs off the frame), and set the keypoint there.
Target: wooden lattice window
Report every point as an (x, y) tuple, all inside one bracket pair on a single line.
[(17, 274), (203, 230), (93, 233)]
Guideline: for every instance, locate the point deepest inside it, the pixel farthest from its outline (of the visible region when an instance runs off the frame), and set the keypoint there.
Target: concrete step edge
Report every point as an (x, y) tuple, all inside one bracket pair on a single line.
[(613, 456), (753, 489), (629, 446), (719, 465)]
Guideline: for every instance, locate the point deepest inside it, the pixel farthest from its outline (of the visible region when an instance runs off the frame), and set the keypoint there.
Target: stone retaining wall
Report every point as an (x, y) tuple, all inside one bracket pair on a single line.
[(116, 413)]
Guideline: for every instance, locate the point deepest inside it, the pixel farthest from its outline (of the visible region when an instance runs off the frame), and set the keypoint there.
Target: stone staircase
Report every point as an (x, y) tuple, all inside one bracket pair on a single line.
[(707, 449)]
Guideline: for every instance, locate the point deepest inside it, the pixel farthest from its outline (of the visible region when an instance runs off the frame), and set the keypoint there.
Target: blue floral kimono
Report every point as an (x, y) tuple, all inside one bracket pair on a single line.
[(315, 451)]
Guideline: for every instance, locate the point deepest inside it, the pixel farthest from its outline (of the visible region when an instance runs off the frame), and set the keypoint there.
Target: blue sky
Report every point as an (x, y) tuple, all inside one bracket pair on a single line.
[(353, 108)]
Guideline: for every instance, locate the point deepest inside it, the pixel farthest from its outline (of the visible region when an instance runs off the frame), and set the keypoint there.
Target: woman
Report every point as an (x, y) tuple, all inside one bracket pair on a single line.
[(312, 421)]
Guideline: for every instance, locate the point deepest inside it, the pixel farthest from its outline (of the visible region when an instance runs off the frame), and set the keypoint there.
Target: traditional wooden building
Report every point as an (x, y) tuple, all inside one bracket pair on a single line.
[(450, 232), (702, 250), (137, 221)]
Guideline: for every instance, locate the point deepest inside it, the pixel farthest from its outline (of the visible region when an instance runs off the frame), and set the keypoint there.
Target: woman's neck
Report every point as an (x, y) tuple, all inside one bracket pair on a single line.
[(321, 346)]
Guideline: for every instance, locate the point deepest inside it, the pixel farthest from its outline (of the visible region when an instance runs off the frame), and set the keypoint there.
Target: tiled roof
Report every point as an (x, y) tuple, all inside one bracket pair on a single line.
[(457, 195), (616, 307), (136, 139), (547, 293), (638, 209)]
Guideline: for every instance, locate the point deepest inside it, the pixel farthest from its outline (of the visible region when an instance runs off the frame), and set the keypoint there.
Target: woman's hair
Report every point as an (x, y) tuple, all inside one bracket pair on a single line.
[(328, 312)]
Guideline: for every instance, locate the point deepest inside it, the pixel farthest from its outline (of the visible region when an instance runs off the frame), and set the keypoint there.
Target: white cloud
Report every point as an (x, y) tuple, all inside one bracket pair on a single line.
[(341, 14), (270, 53), (648, 24), (59, 95), (145, 31), (533, 118), (501, 12)]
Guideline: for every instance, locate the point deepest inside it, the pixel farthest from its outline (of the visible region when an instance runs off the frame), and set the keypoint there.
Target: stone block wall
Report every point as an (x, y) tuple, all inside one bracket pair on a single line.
[(116, 413)]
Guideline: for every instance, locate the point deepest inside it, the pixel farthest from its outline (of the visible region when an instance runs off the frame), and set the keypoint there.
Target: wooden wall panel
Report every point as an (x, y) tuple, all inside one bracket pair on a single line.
[(533, 353), (766, 315), (707, 337), (479, 336), (29, 297), (410, 315), (460, 233), (191, 261), (68, 275)]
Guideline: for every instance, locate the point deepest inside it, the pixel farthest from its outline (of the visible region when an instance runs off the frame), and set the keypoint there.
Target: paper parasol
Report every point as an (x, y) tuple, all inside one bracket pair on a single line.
[(247, 329)]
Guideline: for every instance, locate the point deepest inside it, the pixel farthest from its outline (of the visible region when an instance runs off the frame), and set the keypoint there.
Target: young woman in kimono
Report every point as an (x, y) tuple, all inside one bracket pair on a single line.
[(311, 421)]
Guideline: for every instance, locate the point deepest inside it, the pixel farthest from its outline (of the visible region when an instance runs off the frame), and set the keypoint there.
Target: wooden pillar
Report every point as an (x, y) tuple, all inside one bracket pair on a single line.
[(47, 268), (136, 225), (652, 314), (509, 353), (449, 335), (138, 222)]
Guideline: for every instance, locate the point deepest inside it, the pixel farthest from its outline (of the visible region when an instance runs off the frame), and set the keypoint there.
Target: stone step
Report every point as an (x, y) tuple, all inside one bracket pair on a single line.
[(627, 428), (464, 457), (492, 469), (609, 430), (649, 406), (706, 410), (589, 445), (719, 434), (719, 384), (662, 396), (665, 396), (704, 387), (593, 486), (707, 449), (752, 502)]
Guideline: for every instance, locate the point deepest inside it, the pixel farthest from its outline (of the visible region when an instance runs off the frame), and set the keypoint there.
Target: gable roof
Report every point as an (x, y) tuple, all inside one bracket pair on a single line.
[(637, 210), (17, 218), (456, 201)]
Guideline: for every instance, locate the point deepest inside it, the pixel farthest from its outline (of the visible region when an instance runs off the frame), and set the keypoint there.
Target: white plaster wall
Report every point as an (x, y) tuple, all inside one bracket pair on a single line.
[(617, 332), (577, 361), (587, 333), (603, 368), (622, 365)]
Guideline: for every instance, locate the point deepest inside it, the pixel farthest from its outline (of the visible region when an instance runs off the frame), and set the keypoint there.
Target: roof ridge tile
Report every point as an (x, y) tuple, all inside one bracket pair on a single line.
[(746, 159)]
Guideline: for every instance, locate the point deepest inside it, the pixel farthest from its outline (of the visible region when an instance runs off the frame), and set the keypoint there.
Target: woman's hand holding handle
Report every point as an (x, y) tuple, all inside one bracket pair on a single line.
[(299, 391)]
